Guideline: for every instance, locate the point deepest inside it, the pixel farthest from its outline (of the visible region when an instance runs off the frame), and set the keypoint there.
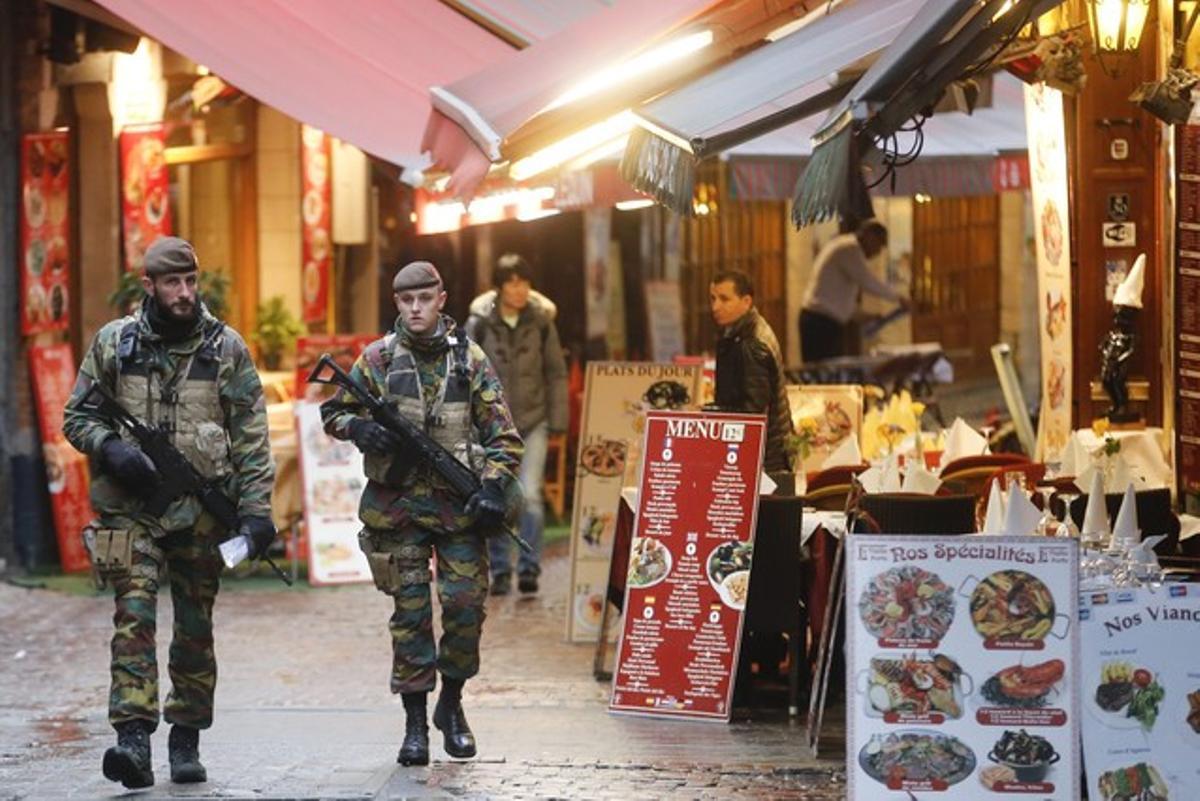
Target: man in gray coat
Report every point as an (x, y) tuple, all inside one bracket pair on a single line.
[(515, 326)]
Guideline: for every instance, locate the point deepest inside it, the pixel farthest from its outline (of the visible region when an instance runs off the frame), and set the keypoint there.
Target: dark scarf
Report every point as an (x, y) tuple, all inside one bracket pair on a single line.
[(167, 325), (426, 344)]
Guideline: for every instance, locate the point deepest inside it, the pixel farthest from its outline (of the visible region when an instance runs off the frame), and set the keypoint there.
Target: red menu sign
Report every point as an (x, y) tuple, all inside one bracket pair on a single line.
[(45, 240), (53, 370), (315, 208), (1187, 316), (689, 564), (145, 212)]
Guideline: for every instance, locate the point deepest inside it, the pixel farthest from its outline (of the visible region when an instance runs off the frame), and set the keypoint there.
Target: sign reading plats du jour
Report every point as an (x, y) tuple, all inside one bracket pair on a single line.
[(1140, 684), (961, 670), (616, 398), (689, 566)]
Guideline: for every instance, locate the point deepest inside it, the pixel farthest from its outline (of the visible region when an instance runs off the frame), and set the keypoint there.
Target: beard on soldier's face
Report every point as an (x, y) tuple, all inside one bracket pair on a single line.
[(180, 308)]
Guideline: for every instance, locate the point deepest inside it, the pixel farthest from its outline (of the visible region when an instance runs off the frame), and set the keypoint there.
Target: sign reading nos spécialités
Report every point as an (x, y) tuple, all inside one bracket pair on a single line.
[(689, 566), (962, 667)]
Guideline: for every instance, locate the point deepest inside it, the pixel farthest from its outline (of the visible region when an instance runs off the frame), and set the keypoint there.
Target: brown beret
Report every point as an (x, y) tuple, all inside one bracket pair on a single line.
[(170, 254), (416, 275)]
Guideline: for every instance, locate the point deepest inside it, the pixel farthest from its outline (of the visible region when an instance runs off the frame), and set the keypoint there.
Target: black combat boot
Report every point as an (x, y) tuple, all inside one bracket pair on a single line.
[(449, 718), (184, 748), (128, 762), (415, 748)]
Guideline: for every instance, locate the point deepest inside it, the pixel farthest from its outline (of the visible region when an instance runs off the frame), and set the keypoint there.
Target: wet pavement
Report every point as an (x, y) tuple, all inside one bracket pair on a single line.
[(303, 710)]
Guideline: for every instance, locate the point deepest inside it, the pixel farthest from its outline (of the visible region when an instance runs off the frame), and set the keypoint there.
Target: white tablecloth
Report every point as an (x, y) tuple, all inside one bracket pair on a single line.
[(1147, 453)]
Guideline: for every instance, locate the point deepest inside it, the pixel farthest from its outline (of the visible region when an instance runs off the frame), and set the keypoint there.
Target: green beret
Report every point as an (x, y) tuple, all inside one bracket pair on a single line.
[(416, 275), (170, 254)]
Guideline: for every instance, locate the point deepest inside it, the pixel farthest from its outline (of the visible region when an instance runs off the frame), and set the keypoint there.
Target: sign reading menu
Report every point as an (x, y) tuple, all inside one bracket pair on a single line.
[(332, 475), (689, 565), (961, 667), (53, 369), (45, 231), (1140, 685), (616, 399)]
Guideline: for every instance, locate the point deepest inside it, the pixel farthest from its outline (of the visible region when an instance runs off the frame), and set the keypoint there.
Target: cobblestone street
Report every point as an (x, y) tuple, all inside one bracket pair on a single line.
[(303, 710)]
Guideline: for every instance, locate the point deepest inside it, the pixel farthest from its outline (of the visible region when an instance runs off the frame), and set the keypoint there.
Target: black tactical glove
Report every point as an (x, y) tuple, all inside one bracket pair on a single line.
[(132, 469), (487, 505), (260, 531), (370, 437)]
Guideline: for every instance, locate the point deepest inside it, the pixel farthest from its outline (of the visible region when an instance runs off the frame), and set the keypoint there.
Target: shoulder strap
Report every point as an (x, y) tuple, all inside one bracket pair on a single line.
[(459, 346), (127, 343)]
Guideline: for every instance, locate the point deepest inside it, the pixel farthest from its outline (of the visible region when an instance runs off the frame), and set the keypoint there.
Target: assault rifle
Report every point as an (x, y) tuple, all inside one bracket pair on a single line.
[(462, 480), (178, 476)]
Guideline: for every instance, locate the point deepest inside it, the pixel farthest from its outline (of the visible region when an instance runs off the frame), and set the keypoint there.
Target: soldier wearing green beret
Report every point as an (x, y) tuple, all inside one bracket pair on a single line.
[(442, 381), (174, 366)]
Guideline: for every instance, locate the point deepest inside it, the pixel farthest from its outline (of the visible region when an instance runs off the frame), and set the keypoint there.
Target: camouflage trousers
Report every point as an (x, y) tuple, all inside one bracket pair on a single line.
[(399, 562), (191, 563)]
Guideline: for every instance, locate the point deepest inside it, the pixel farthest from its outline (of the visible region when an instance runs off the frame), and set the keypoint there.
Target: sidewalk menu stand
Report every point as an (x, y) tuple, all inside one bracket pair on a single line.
[(1140, 688), (962, 667), (689, 565)]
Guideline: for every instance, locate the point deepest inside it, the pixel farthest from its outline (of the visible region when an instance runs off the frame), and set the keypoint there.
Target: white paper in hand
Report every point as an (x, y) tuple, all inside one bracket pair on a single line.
[(235, 551)]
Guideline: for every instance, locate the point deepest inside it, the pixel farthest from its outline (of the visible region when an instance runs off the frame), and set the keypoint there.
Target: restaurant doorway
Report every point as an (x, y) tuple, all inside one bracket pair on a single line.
[(956, 279)]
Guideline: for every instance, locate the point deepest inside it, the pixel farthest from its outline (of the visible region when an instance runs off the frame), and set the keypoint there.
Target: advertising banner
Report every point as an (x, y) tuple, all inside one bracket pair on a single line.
[(689, 565), (962, 663), (616, 398), (53, 369), (344, 348), (45, 231), (145, 210), (664, 319), (1048, 166), (332, 475), (1140, 685), (316, 203)]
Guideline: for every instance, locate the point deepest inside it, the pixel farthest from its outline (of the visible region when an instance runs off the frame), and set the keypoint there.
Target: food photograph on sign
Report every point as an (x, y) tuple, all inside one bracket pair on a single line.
[(907, 603), (729, 572), (1012, 605), (915, 686)]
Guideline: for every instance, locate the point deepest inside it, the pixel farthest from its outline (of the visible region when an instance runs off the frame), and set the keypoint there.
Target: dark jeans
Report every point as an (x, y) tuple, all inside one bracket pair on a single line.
[(821, 337)]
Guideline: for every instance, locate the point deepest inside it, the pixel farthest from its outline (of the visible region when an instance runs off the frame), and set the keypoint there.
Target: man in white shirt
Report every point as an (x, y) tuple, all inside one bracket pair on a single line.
[(840, 274)]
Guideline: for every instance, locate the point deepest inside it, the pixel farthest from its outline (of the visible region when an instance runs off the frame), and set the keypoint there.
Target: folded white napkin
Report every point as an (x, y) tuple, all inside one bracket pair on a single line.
[(993, 521), (962, 440), (845, 454), (1095, 518), (890, 480), (1126, 530), (1075, 458), (766, 484), (918, 479), (1021, 518), (1189, 526)]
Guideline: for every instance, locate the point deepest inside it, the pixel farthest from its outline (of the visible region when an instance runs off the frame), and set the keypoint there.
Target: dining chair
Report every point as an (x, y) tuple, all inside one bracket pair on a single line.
[(969, 475), (1154, 512), (912, 513)]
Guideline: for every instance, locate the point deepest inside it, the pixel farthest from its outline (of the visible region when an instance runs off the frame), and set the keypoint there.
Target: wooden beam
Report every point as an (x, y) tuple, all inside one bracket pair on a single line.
[(195, 154)]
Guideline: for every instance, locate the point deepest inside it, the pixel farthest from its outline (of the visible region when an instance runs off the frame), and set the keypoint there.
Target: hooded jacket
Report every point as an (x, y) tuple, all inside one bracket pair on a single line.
[(527, 357)]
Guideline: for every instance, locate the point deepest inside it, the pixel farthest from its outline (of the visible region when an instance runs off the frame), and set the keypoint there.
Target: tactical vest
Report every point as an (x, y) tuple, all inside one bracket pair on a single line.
[(448, 421), (186, 404)]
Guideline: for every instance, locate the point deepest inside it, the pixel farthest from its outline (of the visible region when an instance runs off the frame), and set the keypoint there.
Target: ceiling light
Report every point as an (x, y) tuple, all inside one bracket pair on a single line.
[(631, 205), (604, 151), (1117, 24)]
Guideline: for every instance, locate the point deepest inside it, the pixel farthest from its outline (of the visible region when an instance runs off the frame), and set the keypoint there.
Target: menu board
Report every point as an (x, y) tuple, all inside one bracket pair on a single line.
[(53, 369), (45, 231), (616, 398), (1187, 315), (316, 203), (1140, 684), (689, 565), (962, 667), (1046, 128), (331, 473), (145, 211)]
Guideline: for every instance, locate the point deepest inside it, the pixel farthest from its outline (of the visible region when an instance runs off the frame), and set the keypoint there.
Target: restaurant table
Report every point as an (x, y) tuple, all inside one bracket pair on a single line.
[(1145, 451)]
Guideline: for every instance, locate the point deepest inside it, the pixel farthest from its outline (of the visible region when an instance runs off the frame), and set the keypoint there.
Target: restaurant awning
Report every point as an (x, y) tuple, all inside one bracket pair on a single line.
[(948, 40), (573, 92), (359, 71), (792, 72)]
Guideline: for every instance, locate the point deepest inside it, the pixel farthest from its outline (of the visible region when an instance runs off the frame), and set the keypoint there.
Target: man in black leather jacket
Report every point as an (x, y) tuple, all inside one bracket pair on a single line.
[(750, 364)]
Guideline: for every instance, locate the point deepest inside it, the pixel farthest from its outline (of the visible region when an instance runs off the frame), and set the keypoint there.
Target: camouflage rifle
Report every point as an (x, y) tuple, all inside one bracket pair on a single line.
[(462, 480), (178, 476)]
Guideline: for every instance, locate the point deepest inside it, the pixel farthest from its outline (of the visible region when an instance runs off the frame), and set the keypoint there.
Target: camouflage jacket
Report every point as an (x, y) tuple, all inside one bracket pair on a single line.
[(232, 445), (419, 497)]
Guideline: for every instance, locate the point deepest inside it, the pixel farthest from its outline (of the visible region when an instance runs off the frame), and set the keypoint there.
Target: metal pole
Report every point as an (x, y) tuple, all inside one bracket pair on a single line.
[(8, 275)]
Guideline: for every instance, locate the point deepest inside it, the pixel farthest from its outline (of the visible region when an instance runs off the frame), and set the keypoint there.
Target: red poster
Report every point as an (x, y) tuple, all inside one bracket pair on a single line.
[(318, 250), (145, 212), (53, 370), (344, 348), (689, 565), (45, 231)]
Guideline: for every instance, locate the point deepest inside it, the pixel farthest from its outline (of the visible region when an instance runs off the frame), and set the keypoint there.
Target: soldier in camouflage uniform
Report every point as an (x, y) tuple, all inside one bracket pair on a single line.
[(173, 365), (442, 381)]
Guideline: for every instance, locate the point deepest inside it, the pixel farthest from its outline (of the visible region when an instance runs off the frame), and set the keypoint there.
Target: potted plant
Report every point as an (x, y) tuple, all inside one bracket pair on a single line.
[(214, 288), (275, 332)]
